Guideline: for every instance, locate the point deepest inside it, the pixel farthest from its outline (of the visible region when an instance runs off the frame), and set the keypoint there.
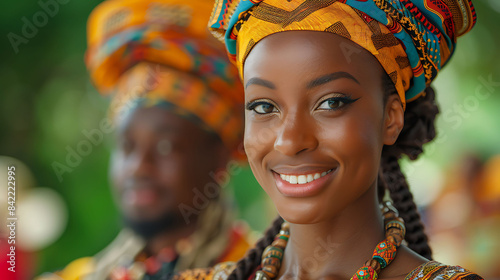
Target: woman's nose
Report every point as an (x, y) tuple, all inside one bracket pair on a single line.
[(296, 135)]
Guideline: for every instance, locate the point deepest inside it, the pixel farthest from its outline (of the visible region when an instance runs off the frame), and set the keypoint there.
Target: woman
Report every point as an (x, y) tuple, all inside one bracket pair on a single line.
[(328, 86)]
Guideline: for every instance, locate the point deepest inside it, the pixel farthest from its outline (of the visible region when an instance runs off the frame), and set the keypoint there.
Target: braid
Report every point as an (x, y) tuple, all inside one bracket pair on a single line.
[(418, 130), (403, 200), (251, 261)]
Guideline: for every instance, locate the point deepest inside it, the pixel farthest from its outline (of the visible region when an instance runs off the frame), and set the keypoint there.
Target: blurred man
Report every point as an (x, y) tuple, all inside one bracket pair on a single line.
[(177, 108)]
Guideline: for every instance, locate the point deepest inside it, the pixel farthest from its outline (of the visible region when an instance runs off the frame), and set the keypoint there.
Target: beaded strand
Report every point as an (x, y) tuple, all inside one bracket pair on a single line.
[(383, 254)]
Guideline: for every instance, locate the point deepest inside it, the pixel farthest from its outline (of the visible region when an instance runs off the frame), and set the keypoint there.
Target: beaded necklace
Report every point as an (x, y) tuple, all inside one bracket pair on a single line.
[(382, 256)]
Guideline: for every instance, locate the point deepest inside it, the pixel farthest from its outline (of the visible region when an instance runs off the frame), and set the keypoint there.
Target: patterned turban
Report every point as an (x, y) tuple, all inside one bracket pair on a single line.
[(160, 52), (412, 39)]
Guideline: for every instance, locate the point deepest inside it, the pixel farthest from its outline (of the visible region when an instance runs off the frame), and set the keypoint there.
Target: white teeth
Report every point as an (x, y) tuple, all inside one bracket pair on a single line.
[(303, 179), (310, 178)]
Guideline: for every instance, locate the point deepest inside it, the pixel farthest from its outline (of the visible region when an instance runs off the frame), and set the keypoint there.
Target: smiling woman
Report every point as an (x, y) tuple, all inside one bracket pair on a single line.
[(331, 121), (321, 117), (336, 92)]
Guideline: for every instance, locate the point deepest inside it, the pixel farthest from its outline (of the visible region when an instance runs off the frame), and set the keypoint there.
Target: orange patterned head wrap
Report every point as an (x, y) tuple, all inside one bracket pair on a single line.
[(160, 51), (412, 39)]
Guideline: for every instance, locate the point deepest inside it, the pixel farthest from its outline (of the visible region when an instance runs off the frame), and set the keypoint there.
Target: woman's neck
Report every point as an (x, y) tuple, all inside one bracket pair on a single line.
[(337, 248)]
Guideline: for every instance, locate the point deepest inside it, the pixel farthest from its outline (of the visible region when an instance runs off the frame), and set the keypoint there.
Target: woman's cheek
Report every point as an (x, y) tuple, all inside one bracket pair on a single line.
[(249, 145), (364, 155), (354, 142), (259, 137), (258, 142)]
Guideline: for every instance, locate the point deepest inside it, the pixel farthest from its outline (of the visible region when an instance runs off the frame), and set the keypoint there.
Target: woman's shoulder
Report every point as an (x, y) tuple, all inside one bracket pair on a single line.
[(433, 270), (219, 272)]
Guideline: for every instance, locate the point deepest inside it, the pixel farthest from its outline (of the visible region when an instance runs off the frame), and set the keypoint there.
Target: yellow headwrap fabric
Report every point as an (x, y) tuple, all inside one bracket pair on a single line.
[(160, 51), (411, 39), (342, 20)]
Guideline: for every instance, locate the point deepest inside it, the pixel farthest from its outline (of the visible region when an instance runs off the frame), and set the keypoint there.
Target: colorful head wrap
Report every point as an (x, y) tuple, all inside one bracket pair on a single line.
[(412, 39), (160, 51)]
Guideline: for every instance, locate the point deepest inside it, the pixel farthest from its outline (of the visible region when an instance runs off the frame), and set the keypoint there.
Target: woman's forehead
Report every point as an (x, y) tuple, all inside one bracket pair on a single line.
[(296, 55)]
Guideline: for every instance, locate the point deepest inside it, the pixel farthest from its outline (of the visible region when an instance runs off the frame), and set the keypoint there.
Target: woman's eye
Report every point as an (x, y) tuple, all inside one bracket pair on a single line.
[(264, 109), (331, 103), (335, 103), (261, 107)]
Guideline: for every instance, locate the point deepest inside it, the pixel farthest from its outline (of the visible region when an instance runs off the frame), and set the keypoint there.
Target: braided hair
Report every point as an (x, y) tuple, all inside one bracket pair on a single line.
[(251, 261), (418, 130)]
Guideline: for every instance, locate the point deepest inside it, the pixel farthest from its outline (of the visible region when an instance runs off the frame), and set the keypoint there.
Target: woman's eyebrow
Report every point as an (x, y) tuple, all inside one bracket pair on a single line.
[(330, 77), (261, 82)]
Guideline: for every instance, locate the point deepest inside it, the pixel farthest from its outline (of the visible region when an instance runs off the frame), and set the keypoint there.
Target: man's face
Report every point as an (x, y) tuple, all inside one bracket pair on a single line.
[(159, 160)]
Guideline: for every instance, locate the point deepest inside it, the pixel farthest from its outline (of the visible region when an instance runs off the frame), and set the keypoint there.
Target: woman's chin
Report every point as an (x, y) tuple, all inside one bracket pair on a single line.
[(302, 220), (298, 213)]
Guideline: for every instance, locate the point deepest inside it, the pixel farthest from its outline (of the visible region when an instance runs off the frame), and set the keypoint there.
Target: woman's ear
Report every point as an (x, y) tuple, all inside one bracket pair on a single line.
[(394, 119)]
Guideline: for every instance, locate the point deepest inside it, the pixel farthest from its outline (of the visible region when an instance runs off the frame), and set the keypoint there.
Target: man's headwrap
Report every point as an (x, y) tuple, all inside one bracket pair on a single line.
[(160, 52), (412, 39)]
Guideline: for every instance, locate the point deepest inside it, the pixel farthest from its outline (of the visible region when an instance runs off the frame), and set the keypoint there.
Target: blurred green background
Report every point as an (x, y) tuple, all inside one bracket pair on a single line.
[(47, 102)]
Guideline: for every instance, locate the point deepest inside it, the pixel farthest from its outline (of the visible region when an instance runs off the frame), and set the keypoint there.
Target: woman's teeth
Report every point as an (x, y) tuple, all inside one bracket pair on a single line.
[(303, 179)]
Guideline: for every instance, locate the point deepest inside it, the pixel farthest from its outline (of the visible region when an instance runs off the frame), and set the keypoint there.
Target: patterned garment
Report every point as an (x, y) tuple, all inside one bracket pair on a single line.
[(217, 240), (412, 39), (436, 271), (431, 270), (161, 50), (218, 272)]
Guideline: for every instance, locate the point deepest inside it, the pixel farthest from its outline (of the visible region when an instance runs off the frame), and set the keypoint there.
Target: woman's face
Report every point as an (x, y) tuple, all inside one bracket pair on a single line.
[(315, 122)]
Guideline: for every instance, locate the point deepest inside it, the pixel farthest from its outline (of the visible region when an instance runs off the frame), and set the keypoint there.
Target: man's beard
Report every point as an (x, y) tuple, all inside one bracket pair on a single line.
[(151, 228)]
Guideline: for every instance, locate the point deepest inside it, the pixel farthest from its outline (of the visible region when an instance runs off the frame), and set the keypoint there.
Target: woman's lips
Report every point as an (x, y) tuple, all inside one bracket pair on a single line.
[(302, 185)]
